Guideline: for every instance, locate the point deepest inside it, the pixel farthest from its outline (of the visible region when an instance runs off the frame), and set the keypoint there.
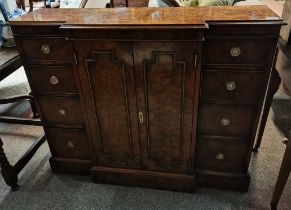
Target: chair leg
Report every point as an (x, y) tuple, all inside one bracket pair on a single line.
[(30, 6), (283, 175), (7, 171), (274, 84)]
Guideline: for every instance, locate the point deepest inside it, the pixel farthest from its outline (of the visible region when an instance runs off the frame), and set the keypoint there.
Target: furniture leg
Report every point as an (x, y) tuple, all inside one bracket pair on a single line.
[(30, 6), (20, 4), (8, 172), (283, 175), (273, 86), (33, 107)]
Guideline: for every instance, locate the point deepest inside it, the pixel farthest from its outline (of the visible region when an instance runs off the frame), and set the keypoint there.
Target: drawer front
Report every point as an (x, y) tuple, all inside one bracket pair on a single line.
[(119, 3), (61, 110), (226, 120), (236, 51), (221, 155), (69, 143), (46, 48), (231, 85), (55, 79)]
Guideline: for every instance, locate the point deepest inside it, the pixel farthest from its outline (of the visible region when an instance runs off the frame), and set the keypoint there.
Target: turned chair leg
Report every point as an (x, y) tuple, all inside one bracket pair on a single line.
[(283, 175), (274, 84), (7, 171)]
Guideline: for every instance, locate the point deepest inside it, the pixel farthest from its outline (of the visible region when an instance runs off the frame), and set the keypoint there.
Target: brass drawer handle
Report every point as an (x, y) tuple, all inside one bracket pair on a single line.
[(71, 144), (45, 49), (230, 85), (54, 80), (62, 112), (220, 156), (225, 121), (140, 117), (235, 51)]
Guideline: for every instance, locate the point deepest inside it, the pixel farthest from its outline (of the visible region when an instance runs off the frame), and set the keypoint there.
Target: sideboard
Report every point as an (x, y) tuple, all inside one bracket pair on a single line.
[(166, 98)]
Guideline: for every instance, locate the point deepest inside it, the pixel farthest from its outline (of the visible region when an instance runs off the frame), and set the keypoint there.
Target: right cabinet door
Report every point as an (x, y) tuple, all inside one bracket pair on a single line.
[(167, 88)]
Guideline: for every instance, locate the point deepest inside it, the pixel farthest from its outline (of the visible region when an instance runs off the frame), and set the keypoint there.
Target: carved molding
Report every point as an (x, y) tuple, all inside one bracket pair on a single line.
[(121, 64), (154, 60)]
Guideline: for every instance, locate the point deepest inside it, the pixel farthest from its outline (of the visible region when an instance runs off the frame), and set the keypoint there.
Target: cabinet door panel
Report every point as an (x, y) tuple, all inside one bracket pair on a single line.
[(166, 93), (107, 69)]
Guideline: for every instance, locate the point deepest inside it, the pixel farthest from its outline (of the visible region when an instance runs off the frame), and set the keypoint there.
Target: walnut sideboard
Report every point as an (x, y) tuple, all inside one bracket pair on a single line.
[(166, 98)]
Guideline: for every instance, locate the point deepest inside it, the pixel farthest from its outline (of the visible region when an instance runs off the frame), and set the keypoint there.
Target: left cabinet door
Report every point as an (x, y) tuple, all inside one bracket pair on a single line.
[(108, 87)]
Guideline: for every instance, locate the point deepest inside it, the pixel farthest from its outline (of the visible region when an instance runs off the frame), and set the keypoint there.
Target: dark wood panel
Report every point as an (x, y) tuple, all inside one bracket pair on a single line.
[(108, 69), (226, 120), (70, 166), (61, 111), (224, 155), (236, 50), (69, 143), (166, 85), (40, 48), (231, 85), (226, 181), (53, 79), (138, 178)]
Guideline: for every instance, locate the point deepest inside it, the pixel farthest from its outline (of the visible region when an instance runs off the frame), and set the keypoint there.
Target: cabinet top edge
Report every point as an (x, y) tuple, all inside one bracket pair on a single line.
[(195, 17)]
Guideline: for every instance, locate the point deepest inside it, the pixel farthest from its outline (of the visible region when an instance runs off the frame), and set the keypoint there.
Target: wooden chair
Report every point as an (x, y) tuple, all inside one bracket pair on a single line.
[(10, 61)]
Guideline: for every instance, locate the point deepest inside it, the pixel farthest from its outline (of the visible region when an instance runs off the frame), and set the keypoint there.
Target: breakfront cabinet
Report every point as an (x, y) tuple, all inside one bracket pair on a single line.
[(164, 98)]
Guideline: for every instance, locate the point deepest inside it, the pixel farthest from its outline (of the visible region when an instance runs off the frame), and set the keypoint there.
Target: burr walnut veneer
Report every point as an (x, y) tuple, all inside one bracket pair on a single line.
[(166, 98)]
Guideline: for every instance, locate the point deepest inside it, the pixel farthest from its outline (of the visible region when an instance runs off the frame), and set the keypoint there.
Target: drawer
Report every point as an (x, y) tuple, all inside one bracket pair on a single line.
[(46, 48), (61, 110), (226, 120), (119, 3), (55, 79), (69, 143), (231, 85), (236, 51), (221, 155)]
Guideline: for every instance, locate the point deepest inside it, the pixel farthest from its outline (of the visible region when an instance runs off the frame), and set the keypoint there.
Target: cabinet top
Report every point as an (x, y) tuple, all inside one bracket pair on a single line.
[(197, 17)]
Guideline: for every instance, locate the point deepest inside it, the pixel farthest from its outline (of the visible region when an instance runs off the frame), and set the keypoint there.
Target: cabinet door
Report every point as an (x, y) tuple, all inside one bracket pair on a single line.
[(107, 82), (167, 90)]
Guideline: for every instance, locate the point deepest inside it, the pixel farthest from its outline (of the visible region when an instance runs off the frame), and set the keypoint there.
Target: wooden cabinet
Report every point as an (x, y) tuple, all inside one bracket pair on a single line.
[(165, 98)]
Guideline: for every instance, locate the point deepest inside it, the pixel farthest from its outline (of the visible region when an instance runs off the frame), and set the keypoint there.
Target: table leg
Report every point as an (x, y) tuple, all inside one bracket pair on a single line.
[(273, 86), (283, 175), (7, 171)]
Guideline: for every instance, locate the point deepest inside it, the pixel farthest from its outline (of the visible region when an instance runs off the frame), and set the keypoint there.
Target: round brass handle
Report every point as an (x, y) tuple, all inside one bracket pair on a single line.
[(45, 49), (220, 156), (230, 85), (225, 121), (62, 112), (54, 80), (235, 51), (71, 144)]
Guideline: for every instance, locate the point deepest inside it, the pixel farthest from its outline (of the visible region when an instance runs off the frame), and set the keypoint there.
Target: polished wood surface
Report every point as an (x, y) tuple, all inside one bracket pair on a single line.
[(144, 94), (147, 16)]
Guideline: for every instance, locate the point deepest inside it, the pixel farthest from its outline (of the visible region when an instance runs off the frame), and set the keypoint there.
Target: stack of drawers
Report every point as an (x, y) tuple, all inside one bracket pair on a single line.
[(233, 76), (131, 3), (50, 71)]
